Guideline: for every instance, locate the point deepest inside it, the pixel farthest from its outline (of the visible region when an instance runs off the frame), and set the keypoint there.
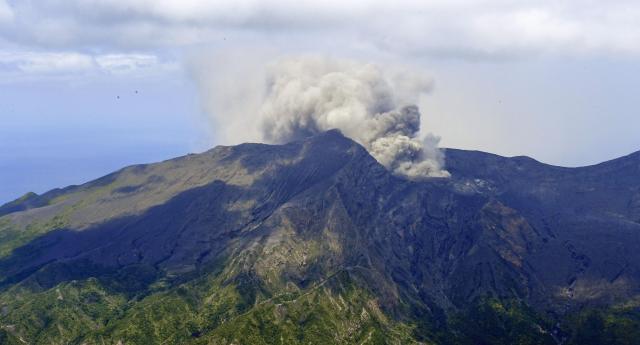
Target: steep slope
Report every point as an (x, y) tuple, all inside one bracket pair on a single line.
[(315, 242)]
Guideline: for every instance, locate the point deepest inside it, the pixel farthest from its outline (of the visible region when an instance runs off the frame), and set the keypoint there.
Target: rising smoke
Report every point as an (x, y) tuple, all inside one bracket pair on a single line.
[(300, 97)]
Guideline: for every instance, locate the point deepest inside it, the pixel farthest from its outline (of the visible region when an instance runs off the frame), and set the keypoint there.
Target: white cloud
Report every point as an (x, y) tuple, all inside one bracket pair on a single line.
[(31, 62), (34, 64), (485, 28), (125, 62)]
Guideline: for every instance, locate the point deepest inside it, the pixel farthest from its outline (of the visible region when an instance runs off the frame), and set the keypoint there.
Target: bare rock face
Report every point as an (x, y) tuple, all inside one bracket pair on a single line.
[(281, 219)]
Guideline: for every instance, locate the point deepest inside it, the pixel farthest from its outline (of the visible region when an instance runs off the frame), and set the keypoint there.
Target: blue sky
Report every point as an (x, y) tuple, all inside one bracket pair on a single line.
[(555, 80), (57, 133)]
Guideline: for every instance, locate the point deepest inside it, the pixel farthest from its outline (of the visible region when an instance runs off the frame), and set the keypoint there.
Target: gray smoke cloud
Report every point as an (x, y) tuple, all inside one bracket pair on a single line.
[(303, 96)]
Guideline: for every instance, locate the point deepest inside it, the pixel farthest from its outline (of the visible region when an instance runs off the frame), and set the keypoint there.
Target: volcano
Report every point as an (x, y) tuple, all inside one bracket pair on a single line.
[(315, 242)]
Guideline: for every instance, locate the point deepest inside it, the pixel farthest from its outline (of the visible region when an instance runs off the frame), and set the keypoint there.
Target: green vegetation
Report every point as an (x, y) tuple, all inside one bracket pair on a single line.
[(65, 313), (206, 310), (491, 321), (616, 326), (216, 309)]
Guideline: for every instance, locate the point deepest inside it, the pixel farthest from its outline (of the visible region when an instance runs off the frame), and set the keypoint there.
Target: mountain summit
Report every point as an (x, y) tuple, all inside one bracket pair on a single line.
[(315, 242)]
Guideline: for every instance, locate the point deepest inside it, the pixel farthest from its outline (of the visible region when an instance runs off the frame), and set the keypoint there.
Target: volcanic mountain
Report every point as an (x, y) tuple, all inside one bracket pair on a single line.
[(315, 242)]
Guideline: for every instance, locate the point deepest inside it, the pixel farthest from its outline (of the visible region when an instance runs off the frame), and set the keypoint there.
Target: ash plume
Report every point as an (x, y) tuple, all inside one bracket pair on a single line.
[(304, 96)]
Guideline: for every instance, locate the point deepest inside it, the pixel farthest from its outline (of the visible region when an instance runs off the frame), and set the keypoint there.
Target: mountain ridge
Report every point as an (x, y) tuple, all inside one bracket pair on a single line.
[(33, 200), (321, 219), (29, 198)]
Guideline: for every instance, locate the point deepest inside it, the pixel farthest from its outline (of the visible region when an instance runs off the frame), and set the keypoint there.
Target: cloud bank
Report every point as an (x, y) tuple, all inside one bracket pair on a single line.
[(470, 30), (465, 29), (299, 97)]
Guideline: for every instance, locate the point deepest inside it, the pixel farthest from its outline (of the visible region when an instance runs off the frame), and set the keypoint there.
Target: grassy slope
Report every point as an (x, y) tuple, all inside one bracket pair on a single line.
[(203, 311), (12, 236), (218, 308), (212, 310)]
